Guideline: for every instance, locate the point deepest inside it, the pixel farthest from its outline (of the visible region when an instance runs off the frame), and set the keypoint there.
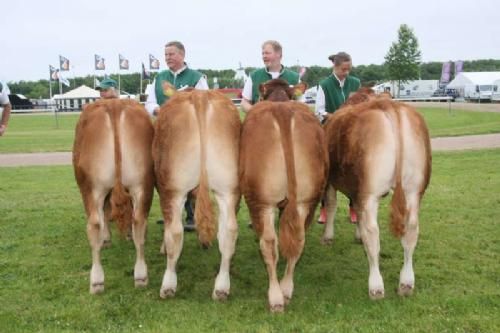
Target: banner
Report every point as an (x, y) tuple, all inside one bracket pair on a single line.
[(63, 63), (459, 66), (145, 74), (154, 64), (446, 72), (99, 63), (53, 73), (123, 62)]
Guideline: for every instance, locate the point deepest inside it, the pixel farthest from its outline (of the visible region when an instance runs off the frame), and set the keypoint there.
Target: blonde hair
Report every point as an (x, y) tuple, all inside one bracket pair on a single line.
[(275, 45)]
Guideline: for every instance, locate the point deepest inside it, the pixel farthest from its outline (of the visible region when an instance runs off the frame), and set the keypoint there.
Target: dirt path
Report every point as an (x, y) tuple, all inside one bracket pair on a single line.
[(438, 144)]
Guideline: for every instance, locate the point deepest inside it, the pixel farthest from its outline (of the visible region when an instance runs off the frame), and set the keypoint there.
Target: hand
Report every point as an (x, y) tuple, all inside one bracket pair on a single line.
[(2, 129)]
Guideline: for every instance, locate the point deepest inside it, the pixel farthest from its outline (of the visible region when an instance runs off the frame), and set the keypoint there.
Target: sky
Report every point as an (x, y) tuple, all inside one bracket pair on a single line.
[(222, 34)]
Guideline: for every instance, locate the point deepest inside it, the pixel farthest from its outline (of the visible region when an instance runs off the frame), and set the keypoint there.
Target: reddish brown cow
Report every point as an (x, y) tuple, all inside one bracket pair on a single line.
[(283, 163), (114, 170), (196, 144), (376, 146)]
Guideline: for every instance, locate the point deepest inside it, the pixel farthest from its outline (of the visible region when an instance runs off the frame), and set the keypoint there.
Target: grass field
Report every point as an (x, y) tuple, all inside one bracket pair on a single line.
[(38, 133), (45, 262)]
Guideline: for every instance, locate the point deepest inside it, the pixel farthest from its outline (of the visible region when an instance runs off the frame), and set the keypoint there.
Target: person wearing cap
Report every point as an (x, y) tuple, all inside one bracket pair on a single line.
[(5, 104), (108, 88), (332, 93), (272, 53), (177, 77)]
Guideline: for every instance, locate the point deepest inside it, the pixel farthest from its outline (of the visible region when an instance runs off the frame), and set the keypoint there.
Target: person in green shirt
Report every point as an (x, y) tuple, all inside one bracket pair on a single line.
[(332, 93), (176, 78), (272, 53)]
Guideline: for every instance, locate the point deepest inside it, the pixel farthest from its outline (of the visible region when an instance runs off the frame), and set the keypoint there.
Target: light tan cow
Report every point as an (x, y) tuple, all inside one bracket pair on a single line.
[(196, 144), (283, 163), (376, 146), (114, 171)]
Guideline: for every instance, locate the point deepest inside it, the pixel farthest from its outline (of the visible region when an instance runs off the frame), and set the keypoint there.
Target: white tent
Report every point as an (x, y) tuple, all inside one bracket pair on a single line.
[(475, 85), (74, 99)]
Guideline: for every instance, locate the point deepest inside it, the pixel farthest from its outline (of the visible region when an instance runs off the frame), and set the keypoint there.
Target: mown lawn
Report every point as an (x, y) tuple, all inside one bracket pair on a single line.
[(38, 133), (45, 262)]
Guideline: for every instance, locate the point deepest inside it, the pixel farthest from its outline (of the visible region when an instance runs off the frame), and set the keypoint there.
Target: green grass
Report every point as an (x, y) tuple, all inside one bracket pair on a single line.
[(457, 122), (38, 133), (45, 261)]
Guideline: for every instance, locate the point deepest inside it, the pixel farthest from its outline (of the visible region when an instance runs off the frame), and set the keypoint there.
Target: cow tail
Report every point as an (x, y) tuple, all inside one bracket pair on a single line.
[(398, 202), (121, 201), (203, 212), (290, 233)]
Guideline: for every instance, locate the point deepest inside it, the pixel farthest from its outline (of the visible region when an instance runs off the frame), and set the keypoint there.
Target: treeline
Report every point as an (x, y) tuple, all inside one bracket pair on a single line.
[(368, 74)]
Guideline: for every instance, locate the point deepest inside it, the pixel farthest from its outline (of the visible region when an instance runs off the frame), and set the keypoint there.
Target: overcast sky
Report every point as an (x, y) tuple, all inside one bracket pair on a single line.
[(221, 34)]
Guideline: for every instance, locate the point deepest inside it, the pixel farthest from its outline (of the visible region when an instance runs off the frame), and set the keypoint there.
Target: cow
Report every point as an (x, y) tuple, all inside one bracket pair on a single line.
[(376, 144), (283, 164), (196, 145), (114, 170)]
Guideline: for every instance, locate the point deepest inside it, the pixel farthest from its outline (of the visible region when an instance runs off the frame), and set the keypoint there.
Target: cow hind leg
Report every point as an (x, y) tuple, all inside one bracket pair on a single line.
[(286, 283), (370, 235), (173, 238), (409, 241), (227, 234), (269, 250), (95, 234), (107, 218), (139, 235), (331, 208)]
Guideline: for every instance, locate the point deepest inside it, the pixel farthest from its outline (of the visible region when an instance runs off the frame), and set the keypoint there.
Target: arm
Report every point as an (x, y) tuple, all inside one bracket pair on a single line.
[(319, 108), (202, 84), (246, 94), (151, 103), (5, 118)]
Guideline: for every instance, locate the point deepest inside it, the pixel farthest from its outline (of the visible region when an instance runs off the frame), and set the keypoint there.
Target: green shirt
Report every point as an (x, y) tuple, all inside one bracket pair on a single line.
[(335, 96), (262, 75), (167, 83)]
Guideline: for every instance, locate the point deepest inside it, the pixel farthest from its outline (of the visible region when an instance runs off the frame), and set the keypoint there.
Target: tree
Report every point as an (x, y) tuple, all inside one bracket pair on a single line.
[(403, 59)]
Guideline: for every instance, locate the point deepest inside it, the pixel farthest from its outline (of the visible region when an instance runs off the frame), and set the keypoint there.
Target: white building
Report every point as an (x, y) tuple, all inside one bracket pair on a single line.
[(409, 89), (74, 99), (476, 85)]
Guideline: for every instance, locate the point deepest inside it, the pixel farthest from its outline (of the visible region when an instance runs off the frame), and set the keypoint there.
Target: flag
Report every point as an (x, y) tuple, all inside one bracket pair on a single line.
[(97, 82), (302, 71), (99, 63), (154, 64), (459, 66), (63, 63), (54, 73), (446, 72), (123, 62), (63, 80), (145, 74)]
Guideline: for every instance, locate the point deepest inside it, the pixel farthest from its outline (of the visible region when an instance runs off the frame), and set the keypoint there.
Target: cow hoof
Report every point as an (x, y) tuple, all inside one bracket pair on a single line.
[(287, 300), (97, 288), (220, 295), (376, 294), (141, 283), (327, 241), (358, 240), (277, 308), (405, 290), (106, 244), (167, 293)]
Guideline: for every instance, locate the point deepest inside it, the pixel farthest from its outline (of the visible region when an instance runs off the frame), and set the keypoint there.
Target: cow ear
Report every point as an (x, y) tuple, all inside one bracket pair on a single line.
[(299, 89), (262, 90)]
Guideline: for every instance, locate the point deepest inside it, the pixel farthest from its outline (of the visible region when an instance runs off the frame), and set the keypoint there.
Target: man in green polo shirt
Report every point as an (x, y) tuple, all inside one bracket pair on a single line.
[(332, 93), (272, 52), (176, 78)]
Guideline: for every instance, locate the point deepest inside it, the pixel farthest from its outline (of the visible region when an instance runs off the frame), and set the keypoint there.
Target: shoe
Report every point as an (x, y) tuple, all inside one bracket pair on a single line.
[(322, 215), (160, 222), (189, 226), (353, 215)]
